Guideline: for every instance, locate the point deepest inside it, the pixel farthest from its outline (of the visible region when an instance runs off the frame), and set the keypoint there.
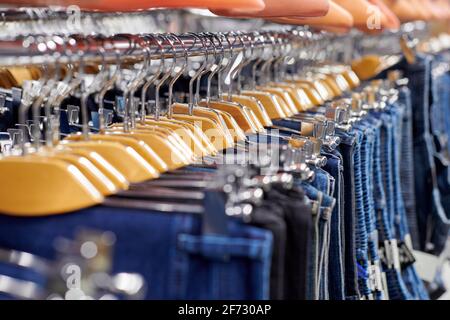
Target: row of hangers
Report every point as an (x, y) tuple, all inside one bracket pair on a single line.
[(84, 168), (288, 74)]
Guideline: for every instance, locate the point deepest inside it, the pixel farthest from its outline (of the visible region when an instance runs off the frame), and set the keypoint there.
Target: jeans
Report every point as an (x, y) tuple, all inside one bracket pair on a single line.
[(440, 128), (297, 213), (362, 236), (347, 150), (270, 216), (431, 215), (407, 165), (336, 284), (386, 219), (319, 255), (323, 181), (168, 250)]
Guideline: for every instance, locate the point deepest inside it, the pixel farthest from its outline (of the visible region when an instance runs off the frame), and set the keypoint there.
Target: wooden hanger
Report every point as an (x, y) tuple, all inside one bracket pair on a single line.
[(392, 22), (103, 165), (63, 90), (422, 12), (100, 181), (39, 184), (274, 105), (281, 8), (252, 103), (363, 12), (212, 123), (431, 7), (187, 132), (440, 8), (126, 149), (199, 126), (337, 18), (172, 152), (44, 186), (403, 9), (133, 5), (235, 113)]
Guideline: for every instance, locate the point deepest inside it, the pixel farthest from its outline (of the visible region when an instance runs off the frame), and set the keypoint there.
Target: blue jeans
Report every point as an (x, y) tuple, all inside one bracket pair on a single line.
[(347, 150), (322, 212), (431, 214), (440, 128), (409, 273), (336, 279), (167, 249), (407, 166), (386, 219), (362, 236)]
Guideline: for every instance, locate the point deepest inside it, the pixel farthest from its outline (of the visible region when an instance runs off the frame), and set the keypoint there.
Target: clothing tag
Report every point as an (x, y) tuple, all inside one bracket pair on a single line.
[(390, 255), (406, 256), (5, 146), (16, 94), (408, 241), (73, 113), (426, 265), (315, 208), (120, 105), (374, 236), (385, 286), (372, 280), (16, 136), (375, 277)]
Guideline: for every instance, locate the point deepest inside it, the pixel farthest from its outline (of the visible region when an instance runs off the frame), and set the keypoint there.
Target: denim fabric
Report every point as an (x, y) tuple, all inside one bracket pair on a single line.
[(323, 181), (386, 220), (439, 106), (410, 276), (336, 280), (379, 195), (361, 235), (369, 127), (407, 165), (324, 220), (288, 123), (312, 287), (347, 150), (34, 277), (440, 128), (270, 216), (168, 250), (431, 215), (321, 239), (376, 200), (297, 212)]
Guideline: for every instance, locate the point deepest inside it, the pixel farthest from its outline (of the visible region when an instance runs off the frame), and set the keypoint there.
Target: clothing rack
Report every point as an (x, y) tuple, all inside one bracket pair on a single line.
[(38, 50), (204, 163)]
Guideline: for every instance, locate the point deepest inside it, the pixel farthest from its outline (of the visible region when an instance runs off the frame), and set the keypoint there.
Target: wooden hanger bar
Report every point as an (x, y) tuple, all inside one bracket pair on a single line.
[(337, 17), (282, 8), (132, 5)]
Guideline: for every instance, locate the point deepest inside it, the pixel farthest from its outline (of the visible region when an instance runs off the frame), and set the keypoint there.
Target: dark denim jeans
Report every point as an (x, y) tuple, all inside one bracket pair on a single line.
[(336, 279), (431, 215), (407, 166), (347, 150), (167, 249)]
